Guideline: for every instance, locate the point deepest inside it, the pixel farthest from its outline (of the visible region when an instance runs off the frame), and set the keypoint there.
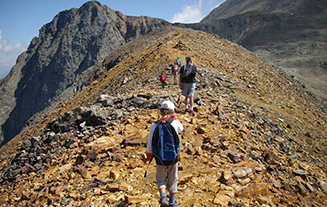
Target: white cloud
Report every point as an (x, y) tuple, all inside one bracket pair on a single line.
[(8, 55), (189, 14)]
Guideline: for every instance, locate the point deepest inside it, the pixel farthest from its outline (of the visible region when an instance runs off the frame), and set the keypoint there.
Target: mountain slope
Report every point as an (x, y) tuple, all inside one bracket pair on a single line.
[(52, 68), (289, 34), (256, 139)]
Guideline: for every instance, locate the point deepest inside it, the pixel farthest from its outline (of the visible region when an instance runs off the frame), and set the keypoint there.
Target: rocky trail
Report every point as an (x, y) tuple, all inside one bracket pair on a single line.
[(255, 139)]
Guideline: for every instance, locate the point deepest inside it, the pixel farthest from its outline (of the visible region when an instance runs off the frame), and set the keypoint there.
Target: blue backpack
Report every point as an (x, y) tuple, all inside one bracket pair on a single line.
[(165, 143)]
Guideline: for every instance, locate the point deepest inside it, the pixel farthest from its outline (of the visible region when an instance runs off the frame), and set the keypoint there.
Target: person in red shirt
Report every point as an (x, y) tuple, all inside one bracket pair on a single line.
[(163, 79)]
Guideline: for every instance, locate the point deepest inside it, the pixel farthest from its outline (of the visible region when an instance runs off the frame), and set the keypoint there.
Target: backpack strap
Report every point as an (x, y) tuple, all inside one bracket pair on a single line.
[(175, 135), (170, 120)]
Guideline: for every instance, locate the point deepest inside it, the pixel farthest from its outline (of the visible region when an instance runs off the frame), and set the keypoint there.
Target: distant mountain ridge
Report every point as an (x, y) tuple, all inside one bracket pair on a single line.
[(289, 34), (51, 68)]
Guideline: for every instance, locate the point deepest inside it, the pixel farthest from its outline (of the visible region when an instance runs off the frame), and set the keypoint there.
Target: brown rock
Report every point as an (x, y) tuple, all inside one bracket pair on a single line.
[(236, 203), (117, 158), (92, 156), (234, 157), (190, 150), (323, 185), (132, 142), (224, 145), (185, 178), (135, 164), (102, 175), (87, 202), (301, 190), (73, 195), (114, 174), (309, 187), (217, 159), (125, 187), (221, 200), (241, 172), (79, 160), (227, 177), (276, 183), (253, 190), (112, 187), (270, 157), (95, 171), (137, 199), (97, 191), (188, 133), (287, 186), (74, 145), (301, 173), (86, 174), (201, 130)]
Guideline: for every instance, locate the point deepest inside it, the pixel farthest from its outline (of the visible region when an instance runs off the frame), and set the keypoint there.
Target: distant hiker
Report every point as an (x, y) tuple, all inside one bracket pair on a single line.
[(163, 79), (163, 144), (187, 84), (174, 71), (178, 62)]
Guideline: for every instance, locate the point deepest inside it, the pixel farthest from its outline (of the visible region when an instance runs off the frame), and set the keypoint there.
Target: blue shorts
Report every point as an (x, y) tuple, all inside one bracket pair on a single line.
[(188, 89)]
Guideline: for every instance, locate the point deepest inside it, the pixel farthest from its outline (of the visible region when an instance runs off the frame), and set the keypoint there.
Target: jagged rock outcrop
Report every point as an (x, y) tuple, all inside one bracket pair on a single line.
[(54, 66), (256, 139), (289, 34)]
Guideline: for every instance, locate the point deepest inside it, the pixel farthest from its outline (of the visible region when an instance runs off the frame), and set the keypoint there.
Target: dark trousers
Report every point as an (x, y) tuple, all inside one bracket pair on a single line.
[(163, 84)]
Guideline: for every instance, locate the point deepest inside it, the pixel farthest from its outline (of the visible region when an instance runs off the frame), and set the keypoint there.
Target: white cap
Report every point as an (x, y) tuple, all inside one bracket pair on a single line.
[(168, 105)]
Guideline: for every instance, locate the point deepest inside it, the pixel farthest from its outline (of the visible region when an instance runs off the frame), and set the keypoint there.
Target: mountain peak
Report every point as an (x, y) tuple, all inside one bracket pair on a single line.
[(72, 42)]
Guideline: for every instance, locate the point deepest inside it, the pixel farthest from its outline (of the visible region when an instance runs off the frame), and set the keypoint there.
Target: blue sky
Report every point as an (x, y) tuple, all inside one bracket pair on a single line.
[(20, 20)]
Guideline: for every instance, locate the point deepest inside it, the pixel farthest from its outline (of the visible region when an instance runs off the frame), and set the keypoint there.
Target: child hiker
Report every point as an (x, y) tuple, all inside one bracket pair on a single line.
[(163, 79), (163, 145)]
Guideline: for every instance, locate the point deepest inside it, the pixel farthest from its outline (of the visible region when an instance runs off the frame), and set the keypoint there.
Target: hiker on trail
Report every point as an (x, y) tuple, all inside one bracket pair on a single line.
[(163, 144), (163, 79), (174, 71), (178, 62), (187, 84)]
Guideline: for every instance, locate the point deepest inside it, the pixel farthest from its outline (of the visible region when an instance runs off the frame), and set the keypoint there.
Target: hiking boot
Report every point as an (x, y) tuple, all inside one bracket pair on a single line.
[(192, 112), (187, 110), (163, 202), (173, 205)]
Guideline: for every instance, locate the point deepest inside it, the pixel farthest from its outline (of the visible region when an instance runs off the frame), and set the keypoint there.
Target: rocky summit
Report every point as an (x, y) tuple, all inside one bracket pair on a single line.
[(255, 140)]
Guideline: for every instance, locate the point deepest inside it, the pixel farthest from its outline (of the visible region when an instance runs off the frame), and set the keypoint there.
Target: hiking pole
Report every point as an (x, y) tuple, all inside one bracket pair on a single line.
[(186, 56), (146, 171)]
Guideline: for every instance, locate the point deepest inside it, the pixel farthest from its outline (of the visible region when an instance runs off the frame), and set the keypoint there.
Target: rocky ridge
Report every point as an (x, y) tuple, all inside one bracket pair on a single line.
[(255, 140)]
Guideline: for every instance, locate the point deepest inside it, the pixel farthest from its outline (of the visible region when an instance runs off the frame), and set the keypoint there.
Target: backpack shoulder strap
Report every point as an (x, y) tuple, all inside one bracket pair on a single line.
[(172, 129), (155, 138), (170, 120)]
